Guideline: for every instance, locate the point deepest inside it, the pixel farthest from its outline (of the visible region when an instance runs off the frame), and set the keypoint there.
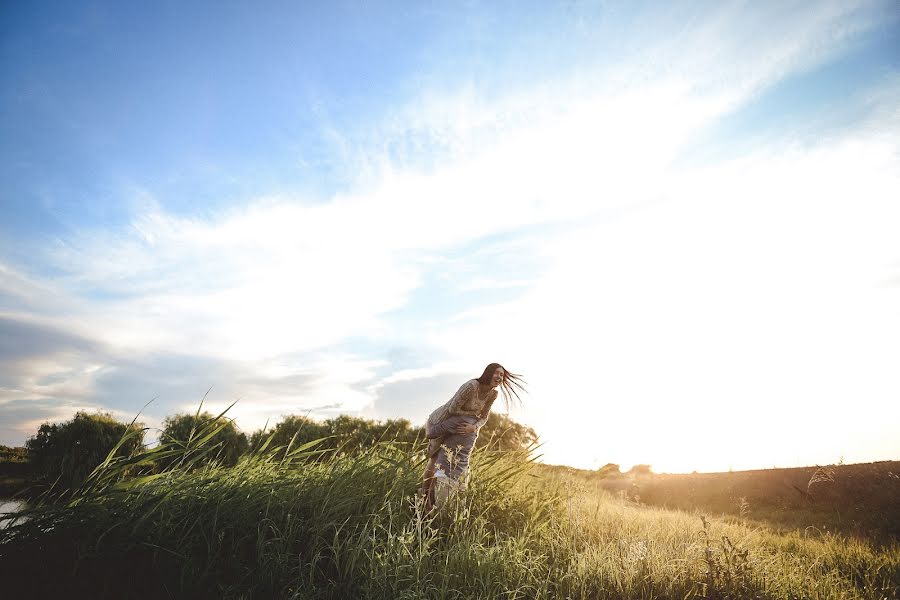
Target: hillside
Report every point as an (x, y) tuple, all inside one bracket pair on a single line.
[(858, 499)]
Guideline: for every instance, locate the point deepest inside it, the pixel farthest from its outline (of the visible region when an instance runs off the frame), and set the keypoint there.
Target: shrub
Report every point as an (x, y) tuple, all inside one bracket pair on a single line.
[(66, 453), (348, 434), (304, 428), (610, 470), (502, 433), (355, 434), (9, 454), (225, 446)]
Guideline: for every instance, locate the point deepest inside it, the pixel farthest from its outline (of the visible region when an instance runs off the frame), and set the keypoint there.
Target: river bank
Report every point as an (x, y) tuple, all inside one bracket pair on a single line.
[(8, 506)]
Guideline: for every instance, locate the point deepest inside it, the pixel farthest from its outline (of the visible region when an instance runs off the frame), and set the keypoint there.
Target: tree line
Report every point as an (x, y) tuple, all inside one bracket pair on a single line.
[(64, 454)]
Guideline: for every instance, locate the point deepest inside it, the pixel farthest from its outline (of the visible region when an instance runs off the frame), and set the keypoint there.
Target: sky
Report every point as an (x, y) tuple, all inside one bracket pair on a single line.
[(680, 222)]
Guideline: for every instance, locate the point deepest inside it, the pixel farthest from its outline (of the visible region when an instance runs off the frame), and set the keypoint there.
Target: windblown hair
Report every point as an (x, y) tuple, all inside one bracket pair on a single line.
[(511, 385)]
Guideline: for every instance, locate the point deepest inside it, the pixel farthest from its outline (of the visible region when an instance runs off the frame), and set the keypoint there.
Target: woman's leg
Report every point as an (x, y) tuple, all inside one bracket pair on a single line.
[(428, 475), (453, 458), (434, 446), (427, 489), (438, 434)]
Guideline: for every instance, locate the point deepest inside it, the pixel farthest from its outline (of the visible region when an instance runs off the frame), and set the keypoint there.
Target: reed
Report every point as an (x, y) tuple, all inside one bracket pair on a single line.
[(292, 522)]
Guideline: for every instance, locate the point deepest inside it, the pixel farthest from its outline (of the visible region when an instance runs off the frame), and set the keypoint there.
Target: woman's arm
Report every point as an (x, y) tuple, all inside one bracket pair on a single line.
[(486, 411), (461, 398), (484, 414)]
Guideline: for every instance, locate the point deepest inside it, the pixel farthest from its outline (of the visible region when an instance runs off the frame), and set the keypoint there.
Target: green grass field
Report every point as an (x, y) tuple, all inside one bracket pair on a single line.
[(349, 527)]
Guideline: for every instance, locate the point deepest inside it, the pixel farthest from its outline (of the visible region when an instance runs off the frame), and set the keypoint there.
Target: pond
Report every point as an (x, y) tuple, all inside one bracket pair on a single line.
[(9, 506)]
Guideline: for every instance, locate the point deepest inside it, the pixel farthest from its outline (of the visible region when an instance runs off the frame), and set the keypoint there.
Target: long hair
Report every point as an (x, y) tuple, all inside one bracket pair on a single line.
[(511, 384)]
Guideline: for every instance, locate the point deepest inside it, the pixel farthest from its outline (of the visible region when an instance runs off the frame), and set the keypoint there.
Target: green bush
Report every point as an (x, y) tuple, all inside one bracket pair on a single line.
[(344, 434), (502, 433), (355, 434), (609, 470), (13, 454), (66, 453), (225, 445)]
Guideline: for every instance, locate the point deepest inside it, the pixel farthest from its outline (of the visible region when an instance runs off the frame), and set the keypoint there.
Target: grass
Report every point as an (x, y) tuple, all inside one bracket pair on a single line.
[(861, 500), (348, 526)]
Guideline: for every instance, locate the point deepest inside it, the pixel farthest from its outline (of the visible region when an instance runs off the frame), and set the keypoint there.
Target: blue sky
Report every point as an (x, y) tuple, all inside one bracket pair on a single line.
[(671, 219)]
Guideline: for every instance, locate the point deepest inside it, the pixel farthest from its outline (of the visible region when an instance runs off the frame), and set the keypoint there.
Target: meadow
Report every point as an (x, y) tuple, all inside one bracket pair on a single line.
[(296, 523), (860, 500)]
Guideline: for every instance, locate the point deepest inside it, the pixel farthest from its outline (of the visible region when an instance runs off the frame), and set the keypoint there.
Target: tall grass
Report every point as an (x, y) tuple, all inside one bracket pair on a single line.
[(300, 525)]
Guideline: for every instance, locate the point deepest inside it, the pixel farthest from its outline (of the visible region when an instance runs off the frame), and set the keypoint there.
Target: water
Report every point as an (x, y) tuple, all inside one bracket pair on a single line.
[(9, 506)]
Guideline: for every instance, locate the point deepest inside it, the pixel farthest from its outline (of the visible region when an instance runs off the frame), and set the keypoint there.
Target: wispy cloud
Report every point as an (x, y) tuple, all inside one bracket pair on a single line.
[(748, 293), (578, 243)]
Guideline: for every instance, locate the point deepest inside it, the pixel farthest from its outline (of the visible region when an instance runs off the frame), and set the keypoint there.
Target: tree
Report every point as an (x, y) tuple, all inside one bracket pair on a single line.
[(610, 470), (304, 428), (358, 433), (354, 434), (67, 452), (349, 434), (640, 470), (13, 454), (181, 430), (502, 433)]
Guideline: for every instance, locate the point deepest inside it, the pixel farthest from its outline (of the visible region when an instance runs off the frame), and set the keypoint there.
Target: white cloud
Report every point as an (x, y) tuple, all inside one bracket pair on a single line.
[(662, 281), (414, 374), (281, 276), (331, 384), (749, 299)]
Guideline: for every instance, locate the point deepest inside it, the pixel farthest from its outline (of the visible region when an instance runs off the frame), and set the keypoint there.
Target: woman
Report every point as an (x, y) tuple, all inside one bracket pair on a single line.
[(453, 428)]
